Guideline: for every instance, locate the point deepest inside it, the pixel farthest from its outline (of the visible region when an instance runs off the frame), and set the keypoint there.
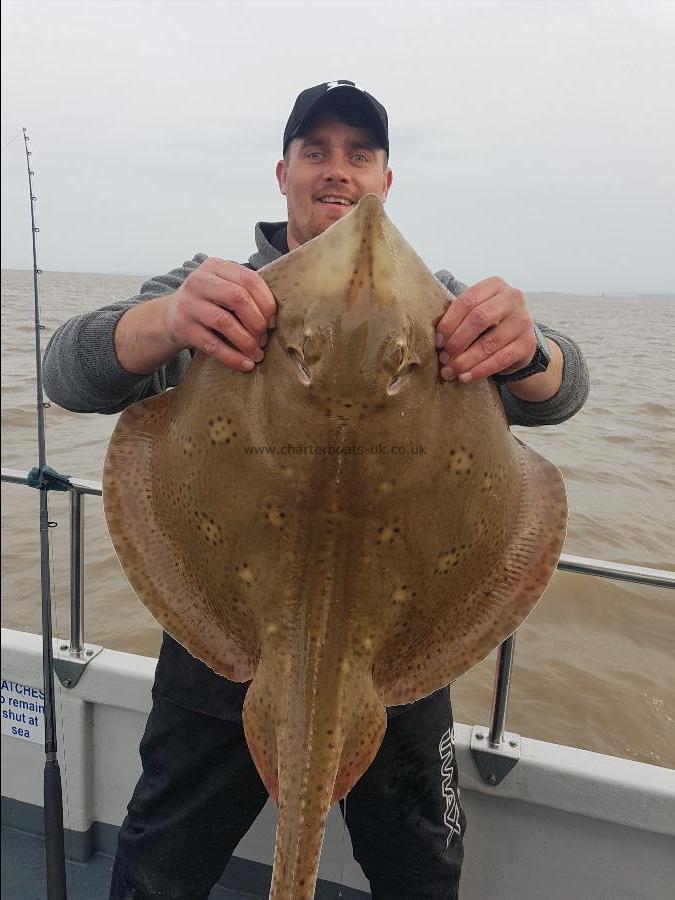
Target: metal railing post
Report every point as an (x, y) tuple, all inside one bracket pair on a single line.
[(500, 697), (76, 573)]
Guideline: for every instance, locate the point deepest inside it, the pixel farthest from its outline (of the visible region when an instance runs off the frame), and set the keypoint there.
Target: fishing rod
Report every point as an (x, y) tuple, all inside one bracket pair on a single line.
[(43, 481)]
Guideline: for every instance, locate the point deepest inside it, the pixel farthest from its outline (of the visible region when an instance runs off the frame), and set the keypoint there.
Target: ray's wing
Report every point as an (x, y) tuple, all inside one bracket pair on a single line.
[(164, 536), (480, 591)]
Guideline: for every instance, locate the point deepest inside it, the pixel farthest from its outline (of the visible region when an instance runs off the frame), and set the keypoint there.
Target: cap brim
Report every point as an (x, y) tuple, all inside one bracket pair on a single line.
[(359, 98)]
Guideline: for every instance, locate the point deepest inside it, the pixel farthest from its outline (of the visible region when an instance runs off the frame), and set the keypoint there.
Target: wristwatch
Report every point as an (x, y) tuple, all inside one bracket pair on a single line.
[(540, 361)]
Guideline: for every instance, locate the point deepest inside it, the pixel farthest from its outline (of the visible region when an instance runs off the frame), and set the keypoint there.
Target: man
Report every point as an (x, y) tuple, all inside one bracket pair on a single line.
[(199, 791)]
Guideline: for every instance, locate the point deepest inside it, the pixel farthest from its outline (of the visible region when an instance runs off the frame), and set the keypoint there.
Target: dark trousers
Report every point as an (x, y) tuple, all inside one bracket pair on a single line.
[(200, 793)]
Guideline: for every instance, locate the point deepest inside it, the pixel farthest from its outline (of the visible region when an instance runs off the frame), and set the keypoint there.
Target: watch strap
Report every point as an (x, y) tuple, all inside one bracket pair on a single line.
[(539, 363)]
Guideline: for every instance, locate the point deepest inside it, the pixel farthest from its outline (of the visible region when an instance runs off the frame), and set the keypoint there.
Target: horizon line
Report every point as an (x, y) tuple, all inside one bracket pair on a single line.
[(661, 294)]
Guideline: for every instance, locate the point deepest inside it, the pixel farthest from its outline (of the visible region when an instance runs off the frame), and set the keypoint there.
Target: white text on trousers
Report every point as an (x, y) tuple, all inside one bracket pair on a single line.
[(451, 817)]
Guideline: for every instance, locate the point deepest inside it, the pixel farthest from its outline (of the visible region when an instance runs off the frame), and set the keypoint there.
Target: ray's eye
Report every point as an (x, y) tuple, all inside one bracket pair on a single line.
[(311, 347), (296, 356), (393, 358), (401, 378)]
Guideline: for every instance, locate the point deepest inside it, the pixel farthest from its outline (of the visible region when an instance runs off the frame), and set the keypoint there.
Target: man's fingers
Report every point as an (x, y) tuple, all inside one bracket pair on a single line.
[(252, 283), (487, 316), (234, 297), (510, 356), (225, 299), (488, 344), (461, 306), (225, 323), (206, 341)]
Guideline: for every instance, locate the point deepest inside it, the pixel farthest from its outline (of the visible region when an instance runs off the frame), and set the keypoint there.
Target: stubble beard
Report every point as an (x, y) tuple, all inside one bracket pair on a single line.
[(305, 233)]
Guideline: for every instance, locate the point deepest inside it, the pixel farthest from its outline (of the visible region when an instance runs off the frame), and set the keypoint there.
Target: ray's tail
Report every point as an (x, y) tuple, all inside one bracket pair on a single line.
[(308, 761)]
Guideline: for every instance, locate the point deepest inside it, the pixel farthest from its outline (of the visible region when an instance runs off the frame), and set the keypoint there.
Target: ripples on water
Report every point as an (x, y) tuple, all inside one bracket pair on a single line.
[(593, 662)]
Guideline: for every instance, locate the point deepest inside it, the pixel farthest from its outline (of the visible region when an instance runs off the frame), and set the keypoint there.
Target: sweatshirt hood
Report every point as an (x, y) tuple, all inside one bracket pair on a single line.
[(266, 253)]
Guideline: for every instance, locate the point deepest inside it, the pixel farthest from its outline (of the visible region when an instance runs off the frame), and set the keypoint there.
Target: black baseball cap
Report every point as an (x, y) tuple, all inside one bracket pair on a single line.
[(310, 100)]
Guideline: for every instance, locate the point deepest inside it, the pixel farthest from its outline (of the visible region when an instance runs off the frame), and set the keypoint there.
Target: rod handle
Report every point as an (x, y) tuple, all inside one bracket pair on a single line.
[(54, 848)]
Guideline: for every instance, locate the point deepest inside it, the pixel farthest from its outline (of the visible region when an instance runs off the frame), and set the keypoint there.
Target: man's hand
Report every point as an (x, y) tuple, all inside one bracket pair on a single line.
[(485, 331), (222, 309)]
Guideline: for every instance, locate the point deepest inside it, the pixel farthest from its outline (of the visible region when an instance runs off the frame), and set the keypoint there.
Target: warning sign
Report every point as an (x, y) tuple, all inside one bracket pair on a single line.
[(23, 711)]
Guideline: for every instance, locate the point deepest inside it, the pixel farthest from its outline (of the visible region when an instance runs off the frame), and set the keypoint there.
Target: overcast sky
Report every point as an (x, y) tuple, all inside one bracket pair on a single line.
[(533, 140)]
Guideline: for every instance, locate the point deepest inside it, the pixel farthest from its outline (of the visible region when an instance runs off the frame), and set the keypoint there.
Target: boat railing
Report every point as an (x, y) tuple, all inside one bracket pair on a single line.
[(495, 751)]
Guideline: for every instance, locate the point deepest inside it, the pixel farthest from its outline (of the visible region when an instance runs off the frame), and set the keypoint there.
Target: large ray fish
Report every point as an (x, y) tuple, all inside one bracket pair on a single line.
[(273, 525)]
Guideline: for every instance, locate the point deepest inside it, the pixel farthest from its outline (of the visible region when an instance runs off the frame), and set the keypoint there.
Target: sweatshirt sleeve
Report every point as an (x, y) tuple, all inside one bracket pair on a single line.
[(569, 399), (81, 371), (573, 391)]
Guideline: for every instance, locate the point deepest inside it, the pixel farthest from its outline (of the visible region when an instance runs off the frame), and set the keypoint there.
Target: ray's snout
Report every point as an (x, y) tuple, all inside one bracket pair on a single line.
[(357, 310)]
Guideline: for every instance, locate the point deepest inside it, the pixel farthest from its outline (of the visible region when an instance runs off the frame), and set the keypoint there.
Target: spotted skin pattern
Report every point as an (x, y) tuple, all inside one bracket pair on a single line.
[(340, 583)]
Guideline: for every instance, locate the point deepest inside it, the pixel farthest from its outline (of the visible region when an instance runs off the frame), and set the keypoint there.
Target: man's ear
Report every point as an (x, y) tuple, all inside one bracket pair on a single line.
[(386, 183), (281, 176)]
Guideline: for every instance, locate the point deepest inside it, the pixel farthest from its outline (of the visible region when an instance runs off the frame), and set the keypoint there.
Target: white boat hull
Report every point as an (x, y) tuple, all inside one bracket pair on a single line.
[(564, 823)]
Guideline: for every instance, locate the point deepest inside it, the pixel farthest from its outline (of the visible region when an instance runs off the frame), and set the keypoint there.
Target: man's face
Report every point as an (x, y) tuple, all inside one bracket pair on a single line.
[(332, 162)]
